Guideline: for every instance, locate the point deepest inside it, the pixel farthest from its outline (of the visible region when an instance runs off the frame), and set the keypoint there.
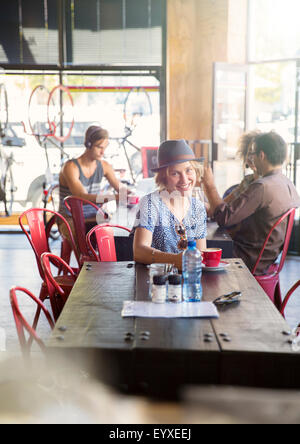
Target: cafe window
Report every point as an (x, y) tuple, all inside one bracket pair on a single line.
[(29, 32), (274, 72), (126, 32), (85, 32), (274, 29), (273, 90), (274, 47)]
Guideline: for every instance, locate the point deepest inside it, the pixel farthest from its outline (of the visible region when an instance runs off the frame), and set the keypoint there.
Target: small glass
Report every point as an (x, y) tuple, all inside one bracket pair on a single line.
[(156, 268)]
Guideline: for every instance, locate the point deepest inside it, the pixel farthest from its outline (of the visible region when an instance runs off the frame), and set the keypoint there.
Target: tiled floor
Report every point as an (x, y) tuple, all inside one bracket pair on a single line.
[(18, 267)]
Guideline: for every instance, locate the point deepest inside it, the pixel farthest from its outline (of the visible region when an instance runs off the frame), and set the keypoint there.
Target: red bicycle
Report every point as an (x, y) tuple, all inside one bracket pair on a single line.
[(51, 120)]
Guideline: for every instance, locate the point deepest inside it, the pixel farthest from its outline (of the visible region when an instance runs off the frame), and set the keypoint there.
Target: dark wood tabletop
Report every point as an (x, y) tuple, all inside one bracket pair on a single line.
[(245, 346)]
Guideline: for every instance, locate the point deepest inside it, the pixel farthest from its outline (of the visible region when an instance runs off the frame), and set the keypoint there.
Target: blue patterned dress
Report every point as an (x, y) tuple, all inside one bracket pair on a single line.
[(154, 215)]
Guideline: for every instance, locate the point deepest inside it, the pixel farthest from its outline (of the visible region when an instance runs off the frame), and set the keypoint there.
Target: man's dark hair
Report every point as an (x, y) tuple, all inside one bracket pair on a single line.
[(93, 134), (273, 146)]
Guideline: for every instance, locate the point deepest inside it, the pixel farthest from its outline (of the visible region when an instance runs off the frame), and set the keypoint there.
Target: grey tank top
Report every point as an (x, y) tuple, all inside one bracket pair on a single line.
[(91, 185)]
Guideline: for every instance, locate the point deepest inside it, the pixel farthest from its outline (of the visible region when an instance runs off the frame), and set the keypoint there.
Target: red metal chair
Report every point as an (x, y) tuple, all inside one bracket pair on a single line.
[(105, 241), (75, 207), (38, 235), (287, 297), (58, 291), (65, 249), (38, 239), (270, 282), (23, 325)]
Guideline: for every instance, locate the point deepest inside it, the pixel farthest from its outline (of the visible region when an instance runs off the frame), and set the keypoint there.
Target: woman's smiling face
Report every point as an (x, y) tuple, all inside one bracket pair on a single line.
[(181, 177)]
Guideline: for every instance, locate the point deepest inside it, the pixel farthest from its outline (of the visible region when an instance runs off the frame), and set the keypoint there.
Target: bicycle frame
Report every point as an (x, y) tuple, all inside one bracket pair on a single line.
[(51, 183), (6, 163), (121, 141)]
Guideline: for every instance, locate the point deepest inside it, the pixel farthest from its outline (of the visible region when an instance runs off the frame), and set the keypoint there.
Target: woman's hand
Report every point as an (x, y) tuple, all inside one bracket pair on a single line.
[(123, 194), (178, 261)]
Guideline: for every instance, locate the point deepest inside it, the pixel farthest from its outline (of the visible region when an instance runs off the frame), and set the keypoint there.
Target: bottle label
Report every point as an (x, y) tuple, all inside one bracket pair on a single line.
[(174, 293), (159, 294)]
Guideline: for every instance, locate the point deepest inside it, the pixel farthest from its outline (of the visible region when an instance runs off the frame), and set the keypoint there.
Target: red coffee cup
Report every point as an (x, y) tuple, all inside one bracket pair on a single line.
[(133, 200), (211, 257)]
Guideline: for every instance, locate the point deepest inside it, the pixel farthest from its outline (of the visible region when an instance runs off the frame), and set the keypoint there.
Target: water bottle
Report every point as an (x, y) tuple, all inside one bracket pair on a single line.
[(192, 272)]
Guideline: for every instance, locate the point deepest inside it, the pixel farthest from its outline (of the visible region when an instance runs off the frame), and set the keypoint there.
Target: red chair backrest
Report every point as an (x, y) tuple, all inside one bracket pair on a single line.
[(287, 297), (291, 215), (38, 235), (104, 234), (53, 286), (75, 207), (21, 323)]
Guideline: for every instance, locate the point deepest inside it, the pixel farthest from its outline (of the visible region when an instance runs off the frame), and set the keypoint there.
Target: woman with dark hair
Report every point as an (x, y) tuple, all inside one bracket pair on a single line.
[(245, 145), (82, 177)]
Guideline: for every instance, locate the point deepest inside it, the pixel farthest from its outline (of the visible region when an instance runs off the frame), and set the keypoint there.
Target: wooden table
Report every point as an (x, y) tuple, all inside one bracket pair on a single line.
[(216, 238), (245, 346)]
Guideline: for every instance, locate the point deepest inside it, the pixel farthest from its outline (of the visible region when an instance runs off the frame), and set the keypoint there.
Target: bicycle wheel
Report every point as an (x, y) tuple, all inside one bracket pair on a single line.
[(61, 112), (37, 111), (3, 110), (9, 189), (136, 165), (136, 106)]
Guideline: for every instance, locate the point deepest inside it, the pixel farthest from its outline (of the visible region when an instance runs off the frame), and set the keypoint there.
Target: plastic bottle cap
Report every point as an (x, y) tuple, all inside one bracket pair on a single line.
[(159, 279), (175, 279), (192, 244)]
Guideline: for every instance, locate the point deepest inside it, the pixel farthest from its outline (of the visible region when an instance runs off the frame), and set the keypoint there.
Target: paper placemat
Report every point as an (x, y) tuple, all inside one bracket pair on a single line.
[(169, 310)]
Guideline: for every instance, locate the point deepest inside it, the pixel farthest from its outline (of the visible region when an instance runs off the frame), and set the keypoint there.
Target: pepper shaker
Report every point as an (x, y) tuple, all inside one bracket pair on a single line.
[(175, 288)]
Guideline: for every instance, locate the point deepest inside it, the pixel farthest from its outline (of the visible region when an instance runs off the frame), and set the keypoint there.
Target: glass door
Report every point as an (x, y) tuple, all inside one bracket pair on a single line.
[(229, 121)]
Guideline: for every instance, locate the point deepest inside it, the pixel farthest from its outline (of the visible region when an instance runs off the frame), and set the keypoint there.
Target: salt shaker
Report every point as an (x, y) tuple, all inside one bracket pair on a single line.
[(175, 289), (159, 289)]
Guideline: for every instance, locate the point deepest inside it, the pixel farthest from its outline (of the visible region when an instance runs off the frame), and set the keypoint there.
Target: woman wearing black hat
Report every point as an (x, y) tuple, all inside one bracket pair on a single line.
[(170, 214)]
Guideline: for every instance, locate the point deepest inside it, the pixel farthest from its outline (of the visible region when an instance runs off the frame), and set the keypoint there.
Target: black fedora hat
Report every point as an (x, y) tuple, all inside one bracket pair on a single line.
[(172, 152)]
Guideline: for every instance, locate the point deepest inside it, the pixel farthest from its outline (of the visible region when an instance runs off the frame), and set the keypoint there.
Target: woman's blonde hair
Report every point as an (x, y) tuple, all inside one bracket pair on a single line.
[(161, 178), (199, 168)]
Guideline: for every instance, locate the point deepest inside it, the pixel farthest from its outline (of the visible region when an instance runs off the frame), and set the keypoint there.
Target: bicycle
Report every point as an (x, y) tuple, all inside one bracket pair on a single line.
[(134, 161), (7, 187), (45, 117), (3, 110), (136, 105)]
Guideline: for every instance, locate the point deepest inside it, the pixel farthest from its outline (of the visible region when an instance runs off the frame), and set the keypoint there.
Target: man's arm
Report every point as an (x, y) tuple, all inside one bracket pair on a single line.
[(111, 176), (211, 190), (239, 209)]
